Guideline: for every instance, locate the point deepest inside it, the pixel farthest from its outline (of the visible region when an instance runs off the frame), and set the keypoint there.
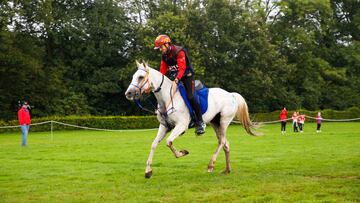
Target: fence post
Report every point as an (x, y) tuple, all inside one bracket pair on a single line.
[(52, 130)]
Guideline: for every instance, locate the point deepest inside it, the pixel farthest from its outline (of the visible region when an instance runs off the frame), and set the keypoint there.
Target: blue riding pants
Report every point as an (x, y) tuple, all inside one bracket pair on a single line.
[(24, 131)]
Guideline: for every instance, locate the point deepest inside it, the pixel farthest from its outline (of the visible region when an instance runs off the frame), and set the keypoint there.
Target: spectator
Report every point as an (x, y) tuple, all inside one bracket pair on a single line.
[(318, 121), (24, 120), (295, 120), (283, 117), (301, 122)]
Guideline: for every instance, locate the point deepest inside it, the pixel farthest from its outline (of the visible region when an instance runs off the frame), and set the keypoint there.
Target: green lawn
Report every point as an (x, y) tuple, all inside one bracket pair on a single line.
[(92, 166)]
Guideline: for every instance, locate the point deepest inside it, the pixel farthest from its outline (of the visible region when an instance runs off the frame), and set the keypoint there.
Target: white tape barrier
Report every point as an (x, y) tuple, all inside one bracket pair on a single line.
[(323, 119), (18, 126), (335, 120), (100, 129), (82, 127), (265, 122), (150, 129)]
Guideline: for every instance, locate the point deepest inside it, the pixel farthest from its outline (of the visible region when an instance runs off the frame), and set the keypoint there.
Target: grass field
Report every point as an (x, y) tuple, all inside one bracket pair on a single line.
[(92, 166)]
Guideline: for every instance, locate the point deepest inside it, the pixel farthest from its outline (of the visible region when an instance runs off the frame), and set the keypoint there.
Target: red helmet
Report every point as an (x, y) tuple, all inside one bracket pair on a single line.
[(161, 40)]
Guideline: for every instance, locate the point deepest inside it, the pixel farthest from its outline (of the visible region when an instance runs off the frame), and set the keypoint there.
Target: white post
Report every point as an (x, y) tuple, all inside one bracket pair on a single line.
[(52, 131)]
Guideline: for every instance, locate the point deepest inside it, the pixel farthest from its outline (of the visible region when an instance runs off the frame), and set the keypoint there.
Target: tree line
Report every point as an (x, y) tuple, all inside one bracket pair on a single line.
[(77, 57)]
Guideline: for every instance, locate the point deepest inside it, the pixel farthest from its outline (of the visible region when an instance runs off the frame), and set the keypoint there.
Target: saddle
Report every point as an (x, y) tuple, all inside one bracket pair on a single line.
[(201, 96)]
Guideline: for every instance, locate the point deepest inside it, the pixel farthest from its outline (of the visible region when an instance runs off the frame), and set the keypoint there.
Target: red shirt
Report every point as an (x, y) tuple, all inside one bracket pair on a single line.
[(301, 118), (283, 115), (181, 62), (24, 116)]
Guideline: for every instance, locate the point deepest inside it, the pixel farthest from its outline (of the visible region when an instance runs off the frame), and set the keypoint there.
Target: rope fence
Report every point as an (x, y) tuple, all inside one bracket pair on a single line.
[(151, 129), (323, 119), (77, 126), (335, 120)]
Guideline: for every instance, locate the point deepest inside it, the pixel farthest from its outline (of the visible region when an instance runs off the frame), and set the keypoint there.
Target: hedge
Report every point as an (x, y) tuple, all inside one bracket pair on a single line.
[(145, 122), (102, 122)]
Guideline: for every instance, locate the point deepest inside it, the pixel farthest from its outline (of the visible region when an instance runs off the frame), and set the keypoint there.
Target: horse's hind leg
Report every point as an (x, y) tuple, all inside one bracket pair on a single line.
[(224, 125), (220, 145), (227, 156), (220, 125)]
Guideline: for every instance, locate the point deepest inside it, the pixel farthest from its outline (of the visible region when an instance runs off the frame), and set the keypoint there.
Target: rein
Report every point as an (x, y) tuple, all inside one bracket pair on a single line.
[(172, 93), (159, 88), (137, 102)]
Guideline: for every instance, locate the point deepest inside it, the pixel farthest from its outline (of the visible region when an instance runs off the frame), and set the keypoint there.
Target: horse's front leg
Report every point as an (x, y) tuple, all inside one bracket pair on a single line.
[(178, 129), (160, 135)]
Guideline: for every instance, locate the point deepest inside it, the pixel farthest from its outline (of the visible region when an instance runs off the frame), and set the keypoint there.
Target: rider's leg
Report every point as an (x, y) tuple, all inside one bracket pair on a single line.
[(189, 84)]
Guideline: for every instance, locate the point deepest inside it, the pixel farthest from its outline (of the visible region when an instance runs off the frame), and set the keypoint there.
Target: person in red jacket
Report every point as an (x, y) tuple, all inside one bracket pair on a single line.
[(174, 59), (25, 121), (283, 117)]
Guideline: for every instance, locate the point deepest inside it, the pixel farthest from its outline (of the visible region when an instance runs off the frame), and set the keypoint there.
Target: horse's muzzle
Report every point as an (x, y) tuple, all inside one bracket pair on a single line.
[(130, 95)]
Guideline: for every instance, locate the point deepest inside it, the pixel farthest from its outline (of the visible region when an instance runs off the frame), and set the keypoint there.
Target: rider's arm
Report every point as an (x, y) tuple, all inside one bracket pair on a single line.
[(163, 67), (181, 61)]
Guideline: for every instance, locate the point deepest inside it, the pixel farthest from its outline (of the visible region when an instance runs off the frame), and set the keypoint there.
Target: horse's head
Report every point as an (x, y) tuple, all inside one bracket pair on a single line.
[(140, 82)]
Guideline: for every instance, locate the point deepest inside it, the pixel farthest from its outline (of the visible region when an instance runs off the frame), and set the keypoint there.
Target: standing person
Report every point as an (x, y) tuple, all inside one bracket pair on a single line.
[(25, 121), (318, 122), (175, 60), (295, 121), (301, 122), (283, 117)]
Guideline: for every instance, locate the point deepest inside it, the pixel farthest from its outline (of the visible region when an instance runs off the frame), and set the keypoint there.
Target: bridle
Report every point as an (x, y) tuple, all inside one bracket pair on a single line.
[(145, 81), (140, 91)]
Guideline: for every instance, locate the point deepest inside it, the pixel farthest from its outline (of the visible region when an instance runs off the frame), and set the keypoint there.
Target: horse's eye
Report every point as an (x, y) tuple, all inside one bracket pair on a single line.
[(141, 78)]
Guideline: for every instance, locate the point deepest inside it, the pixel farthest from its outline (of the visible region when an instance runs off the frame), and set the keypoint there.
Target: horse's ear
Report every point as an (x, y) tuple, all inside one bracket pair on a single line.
[(145, 65), (138, 64)]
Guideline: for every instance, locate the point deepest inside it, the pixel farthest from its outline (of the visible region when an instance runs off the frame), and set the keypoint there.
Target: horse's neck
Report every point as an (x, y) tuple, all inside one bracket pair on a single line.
[(163, 96)]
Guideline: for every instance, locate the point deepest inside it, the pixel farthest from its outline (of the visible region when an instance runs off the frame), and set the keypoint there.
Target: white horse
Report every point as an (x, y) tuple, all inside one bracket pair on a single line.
[(222, 108)]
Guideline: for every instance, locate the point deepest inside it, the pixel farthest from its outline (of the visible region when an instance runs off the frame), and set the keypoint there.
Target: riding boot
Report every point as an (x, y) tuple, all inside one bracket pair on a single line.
[(198, 117)]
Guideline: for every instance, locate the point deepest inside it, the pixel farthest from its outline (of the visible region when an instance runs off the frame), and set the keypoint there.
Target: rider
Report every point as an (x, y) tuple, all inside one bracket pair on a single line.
[(175, 59)]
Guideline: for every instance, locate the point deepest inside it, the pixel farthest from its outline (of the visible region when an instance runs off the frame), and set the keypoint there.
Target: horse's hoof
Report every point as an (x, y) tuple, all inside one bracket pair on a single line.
[(210, 169), (148, 174), (184, 152), (226, 172)]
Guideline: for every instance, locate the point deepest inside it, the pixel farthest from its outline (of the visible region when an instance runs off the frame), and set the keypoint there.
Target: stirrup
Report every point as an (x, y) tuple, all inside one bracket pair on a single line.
[(191, 124), (200, 129)]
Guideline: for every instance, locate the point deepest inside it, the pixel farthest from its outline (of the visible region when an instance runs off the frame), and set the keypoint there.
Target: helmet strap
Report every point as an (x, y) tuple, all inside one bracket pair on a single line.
[(169, 48)]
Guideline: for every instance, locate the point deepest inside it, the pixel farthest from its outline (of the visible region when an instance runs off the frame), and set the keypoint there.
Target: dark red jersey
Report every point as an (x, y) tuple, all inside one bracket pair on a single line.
[(176, 61)]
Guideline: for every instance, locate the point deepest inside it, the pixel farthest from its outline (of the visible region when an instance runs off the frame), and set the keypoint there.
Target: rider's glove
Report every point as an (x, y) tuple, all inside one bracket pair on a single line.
[(172, 75)]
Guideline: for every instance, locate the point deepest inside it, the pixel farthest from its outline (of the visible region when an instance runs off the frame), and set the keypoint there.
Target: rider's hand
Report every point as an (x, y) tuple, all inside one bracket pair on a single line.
[(176, 80)]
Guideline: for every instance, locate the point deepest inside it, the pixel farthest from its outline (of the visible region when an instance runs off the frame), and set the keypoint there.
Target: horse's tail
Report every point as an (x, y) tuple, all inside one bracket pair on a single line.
[(242, 115)]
